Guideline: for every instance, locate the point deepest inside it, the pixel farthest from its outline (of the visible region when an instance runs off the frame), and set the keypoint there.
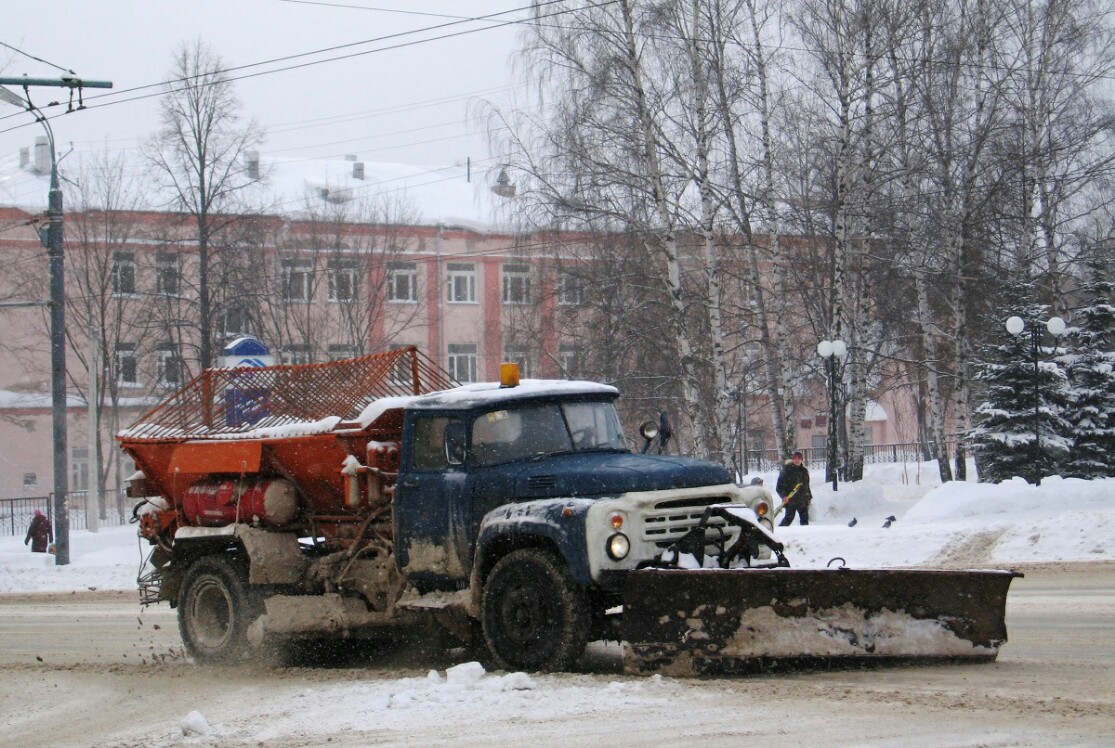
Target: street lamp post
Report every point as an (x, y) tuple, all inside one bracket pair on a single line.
[(832, 351), (1056, 327)]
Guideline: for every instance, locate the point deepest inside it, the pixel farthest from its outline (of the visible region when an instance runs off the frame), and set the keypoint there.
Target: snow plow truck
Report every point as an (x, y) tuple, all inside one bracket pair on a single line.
[(373, 496)]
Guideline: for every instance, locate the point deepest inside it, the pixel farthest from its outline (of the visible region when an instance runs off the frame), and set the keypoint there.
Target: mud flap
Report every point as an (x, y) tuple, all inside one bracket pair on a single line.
[(714, 621)]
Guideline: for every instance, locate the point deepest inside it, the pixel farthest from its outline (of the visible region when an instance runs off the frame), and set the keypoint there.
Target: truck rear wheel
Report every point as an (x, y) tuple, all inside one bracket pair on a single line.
[(215, 608), (534, 615)]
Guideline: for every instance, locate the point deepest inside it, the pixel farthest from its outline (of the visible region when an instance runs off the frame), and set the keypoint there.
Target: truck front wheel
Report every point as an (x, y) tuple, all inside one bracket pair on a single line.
[(534, 615), (215, 608)]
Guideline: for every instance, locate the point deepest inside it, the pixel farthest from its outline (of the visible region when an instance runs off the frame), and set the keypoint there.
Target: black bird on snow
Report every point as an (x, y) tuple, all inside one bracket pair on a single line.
[(890, 519), (853, 522)]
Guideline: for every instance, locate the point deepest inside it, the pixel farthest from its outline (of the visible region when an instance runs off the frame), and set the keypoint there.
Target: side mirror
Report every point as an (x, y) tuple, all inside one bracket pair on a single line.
[(456, 439)]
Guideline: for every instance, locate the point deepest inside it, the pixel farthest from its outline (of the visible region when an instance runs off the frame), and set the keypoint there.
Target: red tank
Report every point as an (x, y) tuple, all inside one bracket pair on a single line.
[(269, 502)]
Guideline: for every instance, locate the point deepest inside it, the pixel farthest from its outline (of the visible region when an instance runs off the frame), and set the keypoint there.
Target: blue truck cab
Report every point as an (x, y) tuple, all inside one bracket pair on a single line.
[(530, 497)]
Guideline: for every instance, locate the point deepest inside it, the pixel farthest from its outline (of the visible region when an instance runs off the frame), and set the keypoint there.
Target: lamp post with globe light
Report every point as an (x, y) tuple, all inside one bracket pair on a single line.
[(1056, 327), (832, 351)]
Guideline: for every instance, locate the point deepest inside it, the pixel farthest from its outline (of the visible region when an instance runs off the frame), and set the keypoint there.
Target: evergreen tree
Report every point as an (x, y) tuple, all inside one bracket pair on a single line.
[(1091, 372), (1020, 430)]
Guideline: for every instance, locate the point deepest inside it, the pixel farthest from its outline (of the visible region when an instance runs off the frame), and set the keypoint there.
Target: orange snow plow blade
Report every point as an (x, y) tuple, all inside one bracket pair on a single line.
[(714, 622)]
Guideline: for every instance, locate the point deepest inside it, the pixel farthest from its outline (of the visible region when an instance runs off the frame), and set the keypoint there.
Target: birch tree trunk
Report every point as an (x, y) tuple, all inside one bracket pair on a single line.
[(720, 440), (780, 371), (775, 347), (932, 382), (664, 232), (860, 329)]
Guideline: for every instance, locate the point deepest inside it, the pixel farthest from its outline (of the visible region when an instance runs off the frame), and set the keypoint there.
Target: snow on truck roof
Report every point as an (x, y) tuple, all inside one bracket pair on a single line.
[(481, 394)]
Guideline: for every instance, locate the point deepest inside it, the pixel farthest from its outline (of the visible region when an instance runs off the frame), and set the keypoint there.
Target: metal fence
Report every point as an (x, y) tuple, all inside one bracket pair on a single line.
[(16, 514), (768, 460), (227, 403)]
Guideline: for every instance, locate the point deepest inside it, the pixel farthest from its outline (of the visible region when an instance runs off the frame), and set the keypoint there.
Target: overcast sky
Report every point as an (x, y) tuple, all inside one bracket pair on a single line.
[(411, 104)]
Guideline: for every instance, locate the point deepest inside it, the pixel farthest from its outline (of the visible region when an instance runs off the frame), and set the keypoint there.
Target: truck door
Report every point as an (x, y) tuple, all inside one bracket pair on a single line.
[(431, 543)]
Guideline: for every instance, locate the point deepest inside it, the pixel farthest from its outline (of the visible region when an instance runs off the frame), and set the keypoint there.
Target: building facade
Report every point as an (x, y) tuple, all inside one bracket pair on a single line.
[(331, 276)]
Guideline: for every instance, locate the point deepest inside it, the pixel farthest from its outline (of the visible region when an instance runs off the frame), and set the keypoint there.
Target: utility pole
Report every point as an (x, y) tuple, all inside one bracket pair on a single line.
[(55, 253)]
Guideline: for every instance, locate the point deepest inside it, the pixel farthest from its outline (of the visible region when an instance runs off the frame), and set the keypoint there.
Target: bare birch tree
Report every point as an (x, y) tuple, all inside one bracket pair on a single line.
[(198, 156)]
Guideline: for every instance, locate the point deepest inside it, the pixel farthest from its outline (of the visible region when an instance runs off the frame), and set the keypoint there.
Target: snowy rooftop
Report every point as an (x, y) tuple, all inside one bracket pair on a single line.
[(482, 393), (451, 195)]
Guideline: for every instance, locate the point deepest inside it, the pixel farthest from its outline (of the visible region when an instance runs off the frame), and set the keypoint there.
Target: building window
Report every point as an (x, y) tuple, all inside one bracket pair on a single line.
[(462, 362), (79, 469), (169, 366), (167, 273), (516, 284), (569, 362), (126, 365), (402, 373), (342, 281), (520, 354), (30, 480), (570, 290), (233, 322), (402, 282), (124, 273), (298, 276), (461, 283), (295, 354), (341, 351)]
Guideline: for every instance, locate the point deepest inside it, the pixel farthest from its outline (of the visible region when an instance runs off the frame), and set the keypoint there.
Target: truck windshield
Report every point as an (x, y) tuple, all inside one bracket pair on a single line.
[(506, 435)]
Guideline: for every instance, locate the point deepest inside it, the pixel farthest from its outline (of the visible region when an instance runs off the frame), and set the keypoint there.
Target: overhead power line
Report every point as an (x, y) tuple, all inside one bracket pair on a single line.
[(162, 86), (37, 59)]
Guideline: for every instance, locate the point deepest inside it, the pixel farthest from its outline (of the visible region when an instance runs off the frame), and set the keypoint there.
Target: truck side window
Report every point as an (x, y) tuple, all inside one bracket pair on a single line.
[(506, 435), (429, 443)]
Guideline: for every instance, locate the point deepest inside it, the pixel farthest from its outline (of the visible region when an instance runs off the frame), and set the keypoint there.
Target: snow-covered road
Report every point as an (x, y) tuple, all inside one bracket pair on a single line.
[(86, 666), (109, 676)]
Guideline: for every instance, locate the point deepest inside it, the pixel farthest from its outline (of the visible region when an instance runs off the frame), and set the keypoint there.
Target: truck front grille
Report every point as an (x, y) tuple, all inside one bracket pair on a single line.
[(541, 482), (667, 521)]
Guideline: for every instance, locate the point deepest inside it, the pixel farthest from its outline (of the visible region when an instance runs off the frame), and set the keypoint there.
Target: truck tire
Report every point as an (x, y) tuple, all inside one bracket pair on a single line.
[(534, 615), (215, 608)]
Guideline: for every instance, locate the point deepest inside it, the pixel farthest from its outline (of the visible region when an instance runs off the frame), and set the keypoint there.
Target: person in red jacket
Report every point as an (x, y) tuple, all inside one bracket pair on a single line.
[(40, 534)]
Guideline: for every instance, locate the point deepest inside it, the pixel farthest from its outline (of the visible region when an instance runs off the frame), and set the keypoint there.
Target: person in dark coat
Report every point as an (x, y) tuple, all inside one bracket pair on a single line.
[(39, 533), (664, 432), (793, 487)]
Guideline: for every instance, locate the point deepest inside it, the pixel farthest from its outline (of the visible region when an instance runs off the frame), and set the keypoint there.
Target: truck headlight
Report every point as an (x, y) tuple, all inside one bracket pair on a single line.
[(618, 546)]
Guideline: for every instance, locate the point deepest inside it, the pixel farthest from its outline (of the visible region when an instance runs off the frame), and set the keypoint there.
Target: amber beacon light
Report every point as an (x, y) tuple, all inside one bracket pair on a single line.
[(508, 375)]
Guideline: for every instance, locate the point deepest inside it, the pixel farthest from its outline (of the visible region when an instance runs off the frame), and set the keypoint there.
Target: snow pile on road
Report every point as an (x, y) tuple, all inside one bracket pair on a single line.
[(464, 699), (958, 524)]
